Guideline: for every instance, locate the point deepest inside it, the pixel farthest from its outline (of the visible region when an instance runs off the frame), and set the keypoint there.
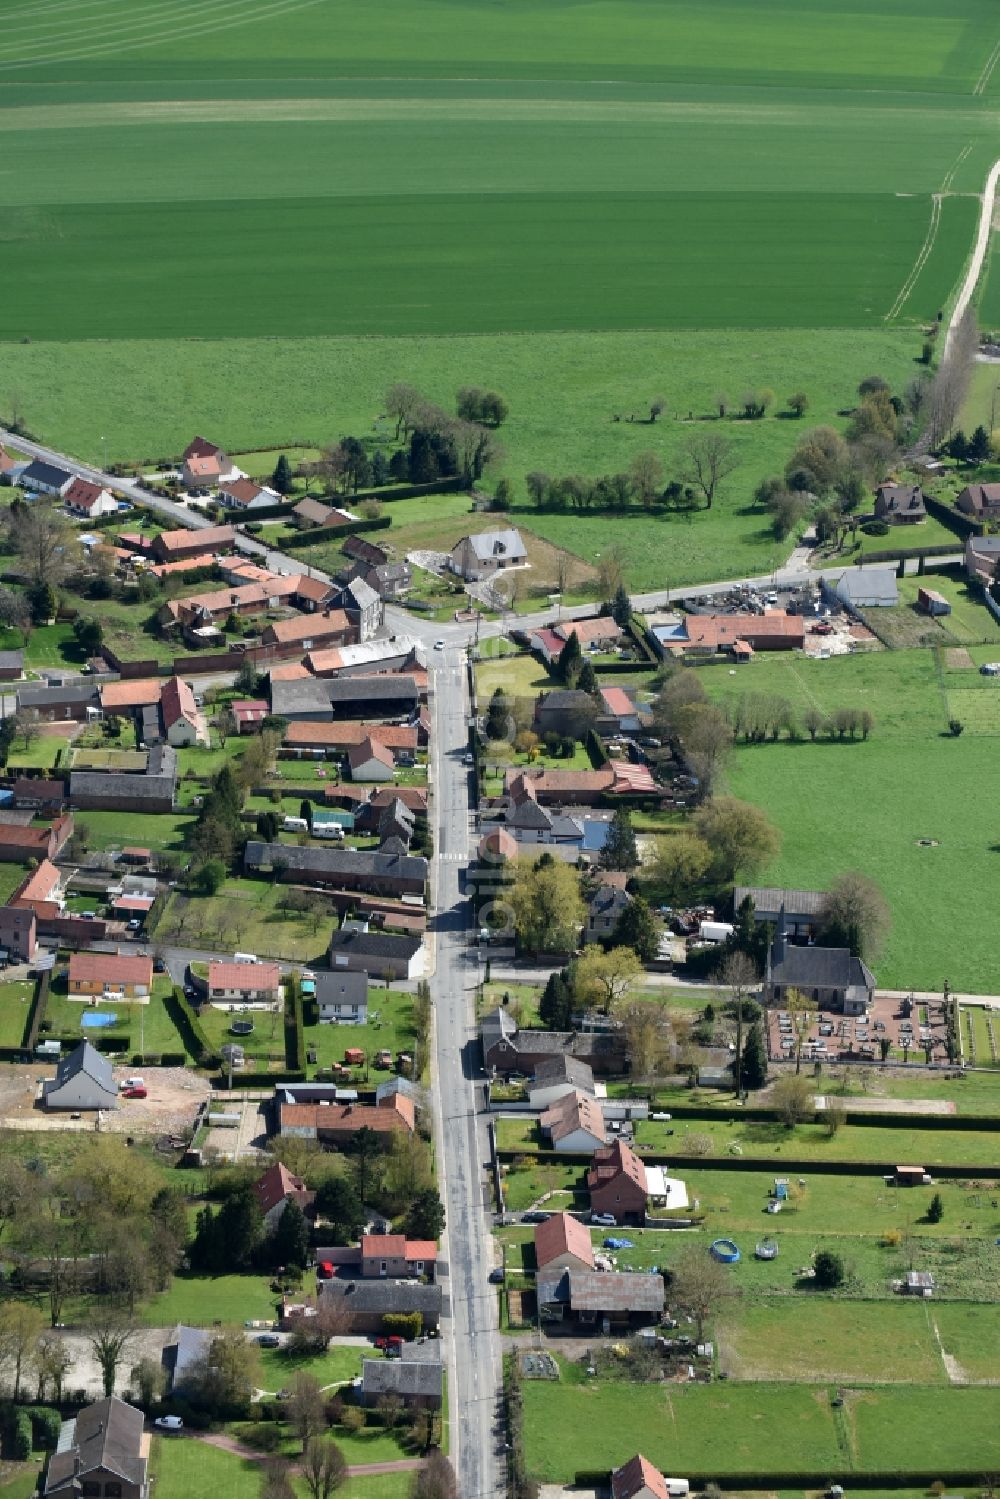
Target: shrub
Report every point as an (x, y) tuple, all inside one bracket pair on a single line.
[(828, 1270), (875, 528), (20, 1436), (45, 1425)]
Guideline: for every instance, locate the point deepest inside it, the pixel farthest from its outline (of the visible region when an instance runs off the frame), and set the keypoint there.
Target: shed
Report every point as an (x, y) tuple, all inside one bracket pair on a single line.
[(911, 1176), (918, 1283), (932, 602)]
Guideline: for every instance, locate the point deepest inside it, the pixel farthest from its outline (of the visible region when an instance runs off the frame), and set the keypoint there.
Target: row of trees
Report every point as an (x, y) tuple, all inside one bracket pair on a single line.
[(707, 459)]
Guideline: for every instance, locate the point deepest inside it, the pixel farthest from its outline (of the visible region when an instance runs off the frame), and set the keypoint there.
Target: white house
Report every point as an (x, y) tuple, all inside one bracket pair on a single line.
[(88, 501), (342, 998), (486, 553), (574, 1123), (244, 983), (246, 494), (371, 761), (555, 1077), (183, 722)]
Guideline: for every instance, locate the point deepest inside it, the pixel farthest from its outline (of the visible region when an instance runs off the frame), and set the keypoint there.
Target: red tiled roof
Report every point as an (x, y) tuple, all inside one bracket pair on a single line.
[(309, 626), (715, 630), (414, 797), (351, 732), (549, 641), (350, 1116), (82, 494), (563, 1234), (103, 967), (635, 1476), (212, 537), (38, 887), (248, 977), (629, 777), (498, 844), (177, 702), (313, 589), (291, 671), (572, 1112), (14, 835), (243, 489), (370, 749), (142, 692), (617, 1159), (183, 565), (617, 701), (396, 1247), (589, 630), (276, 1184)]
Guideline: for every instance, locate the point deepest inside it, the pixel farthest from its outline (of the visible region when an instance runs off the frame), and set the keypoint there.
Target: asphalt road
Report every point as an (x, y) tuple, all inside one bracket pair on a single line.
[(473, 1343)]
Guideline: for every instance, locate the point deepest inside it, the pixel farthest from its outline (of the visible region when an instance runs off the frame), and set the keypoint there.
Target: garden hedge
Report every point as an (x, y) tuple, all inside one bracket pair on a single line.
[(259, 1079), (889, 1478), (190, 1029), (962, 525), (335, 533), (295, 1041)]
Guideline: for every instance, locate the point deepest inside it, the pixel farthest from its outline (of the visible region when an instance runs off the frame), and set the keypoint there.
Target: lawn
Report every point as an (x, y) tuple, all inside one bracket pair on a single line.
[(592, 1425), (812, 1338), (265, 1046), (762, 1140), (922, 776), (148, 1027), (203, 1300), (337, 1365), (158, 830), (15, 1001), (390, 1026), (246, 914), (969, 622), (43, 752)]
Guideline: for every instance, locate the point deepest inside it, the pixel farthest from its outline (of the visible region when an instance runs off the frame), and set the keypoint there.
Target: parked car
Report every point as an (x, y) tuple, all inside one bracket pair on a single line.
[(439, 645), (269, 1340), (496, 1276), (134, 1093), (604, 1220), (169, 1423), (535, 1217)]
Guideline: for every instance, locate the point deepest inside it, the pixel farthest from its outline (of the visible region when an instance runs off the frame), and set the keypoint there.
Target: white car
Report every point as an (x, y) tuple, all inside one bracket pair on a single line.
[(168, 1423), (605, 1220), (439, 645)]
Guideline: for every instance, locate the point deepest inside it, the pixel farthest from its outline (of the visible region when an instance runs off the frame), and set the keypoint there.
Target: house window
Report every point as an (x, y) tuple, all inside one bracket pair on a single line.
[(90, 1490), (383, 1268), (112, 1491)]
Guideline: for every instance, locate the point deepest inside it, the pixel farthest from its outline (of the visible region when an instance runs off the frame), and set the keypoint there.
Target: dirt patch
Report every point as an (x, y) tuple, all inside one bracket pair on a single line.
[(958, 658), (174, 1098)]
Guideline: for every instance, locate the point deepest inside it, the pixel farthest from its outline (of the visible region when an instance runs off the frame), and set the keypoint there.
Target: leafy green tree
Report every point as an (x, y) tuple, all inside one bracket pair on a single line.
[(503, 495), (639, 929), (979, 446), (739, 835), (621, 607), (828, 1270), (555, 1006), (620, 850), (209, 877), (425, 1215), (268, 826), (754, 1067), (338, 1202), (89, 635), (587, 680), (570, 660), (290, 1240), (548, 910), (498, 716), (281, 479)]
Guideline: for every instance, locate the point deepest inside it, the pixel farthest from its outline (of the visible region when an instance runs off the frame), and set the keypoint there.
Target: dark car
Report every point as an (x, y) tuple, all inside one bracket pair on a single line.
[(535, 1217), (496, 1276), (269, 1340)]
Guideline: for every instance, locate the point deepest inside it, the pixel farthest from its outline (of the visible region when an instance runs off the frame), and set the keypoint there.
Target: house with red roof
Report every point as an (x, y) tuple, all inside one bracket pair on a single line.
[(247, 494), (616, 1181), (547, 643), (87, 501), (562, 1242), (183, 721), (169, 546), (204, 465), (338, 1123), (277, 1188), (371, 760), (110, 975), (244, 983), (395, 1257), (638, 1479)]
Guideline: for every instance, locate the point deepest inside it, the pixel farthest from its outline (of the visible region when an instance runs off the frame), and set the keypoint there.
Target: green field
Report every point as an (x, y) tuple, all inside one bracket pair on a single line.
[(15, 1003), (202, 1300), (813, 792), (593, 1425), (245, 912), (578, 204)]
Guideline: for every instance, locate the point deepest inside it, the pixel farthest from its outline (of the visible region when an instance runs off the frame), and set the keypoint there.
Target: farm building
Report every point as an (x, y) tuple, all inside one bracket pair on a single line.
[(362, 1304), (799, 910), (603, 1301)]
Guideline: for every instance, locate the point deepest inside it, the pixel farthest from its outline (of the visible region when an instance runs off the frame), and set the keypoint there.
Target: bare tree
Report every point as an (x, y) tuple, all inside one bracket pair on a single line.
[(611, 570), (225, 725), (47, 545), (402, 403), (53, 1362), (305, 1407), (275, 1482), (855, 913), (709, 459), (323, 1467), (109, 1337), (793, 1098), (648, 1039), (646, 473), (700, 1284), (740, 976), (435, 1480), (951, 382)]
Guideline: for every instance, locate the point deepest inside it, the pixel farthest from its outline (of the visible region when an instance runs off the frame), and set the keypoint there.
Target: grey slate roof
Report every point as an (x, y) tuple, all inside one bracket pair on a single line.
[(186, 1348), (610, 1291), (563, 1069), (608, 900), (399, 1376), (817, 967), (868, 582), (88, 1060), (341, 988), (768, 898), (361, 863), (497, 1025), (10, 659), (305, 695), (105, 1435), (383, 1296), (373, 945), (386, 687), (489, 544), (42, 696), (358, 594), (39, 472)]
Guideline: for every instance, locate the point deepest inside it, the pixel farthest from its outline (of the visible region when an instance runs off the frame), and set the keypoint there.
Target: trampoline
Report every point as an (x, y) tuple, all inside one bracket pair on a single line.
[(725, 1251), (767, 1249), (241, 1028), (95, 1019)]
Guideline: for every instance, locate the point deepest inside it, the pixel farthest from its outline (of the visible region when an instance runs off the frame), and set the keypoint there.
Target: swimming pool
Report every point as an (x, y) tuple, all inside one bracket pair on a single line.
[(96, 1019)]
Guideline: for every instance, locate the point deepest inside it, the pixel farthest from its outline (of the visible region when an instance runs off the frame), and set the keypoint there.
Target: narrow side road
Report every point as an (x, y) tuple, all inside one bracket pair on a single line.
[(972, 275)]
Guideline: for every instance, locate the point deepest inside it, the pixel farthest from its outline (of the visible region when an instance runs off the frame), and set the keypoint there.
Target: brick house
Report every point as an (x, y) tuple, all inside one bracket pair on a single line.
[(244, 983), (616, 1181), (110, 975)]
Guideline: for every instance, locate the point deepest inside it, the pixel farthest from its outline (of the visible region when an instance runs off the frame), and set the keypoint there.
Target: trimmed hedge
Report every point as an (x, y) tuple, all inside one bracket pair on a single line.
[(962, 525), (295, 1041), (190, 1029), (903, 554), (754, 1163), (20, 1436), (258, 1079), (335, 533), (889, 1478), (45, 1427), (595, 749)]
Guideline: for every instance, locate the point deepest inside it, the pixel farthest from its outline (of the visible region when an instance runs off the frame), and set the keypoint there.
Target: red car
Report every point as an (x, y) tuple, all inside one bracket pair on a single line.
[(324, 1270), (135, 1093)]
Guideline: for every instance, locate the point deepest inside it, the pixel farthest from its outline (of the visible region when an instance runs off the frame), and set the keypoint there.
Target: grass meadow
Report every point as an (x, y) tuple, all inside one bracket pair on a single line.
[(865, 805)]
